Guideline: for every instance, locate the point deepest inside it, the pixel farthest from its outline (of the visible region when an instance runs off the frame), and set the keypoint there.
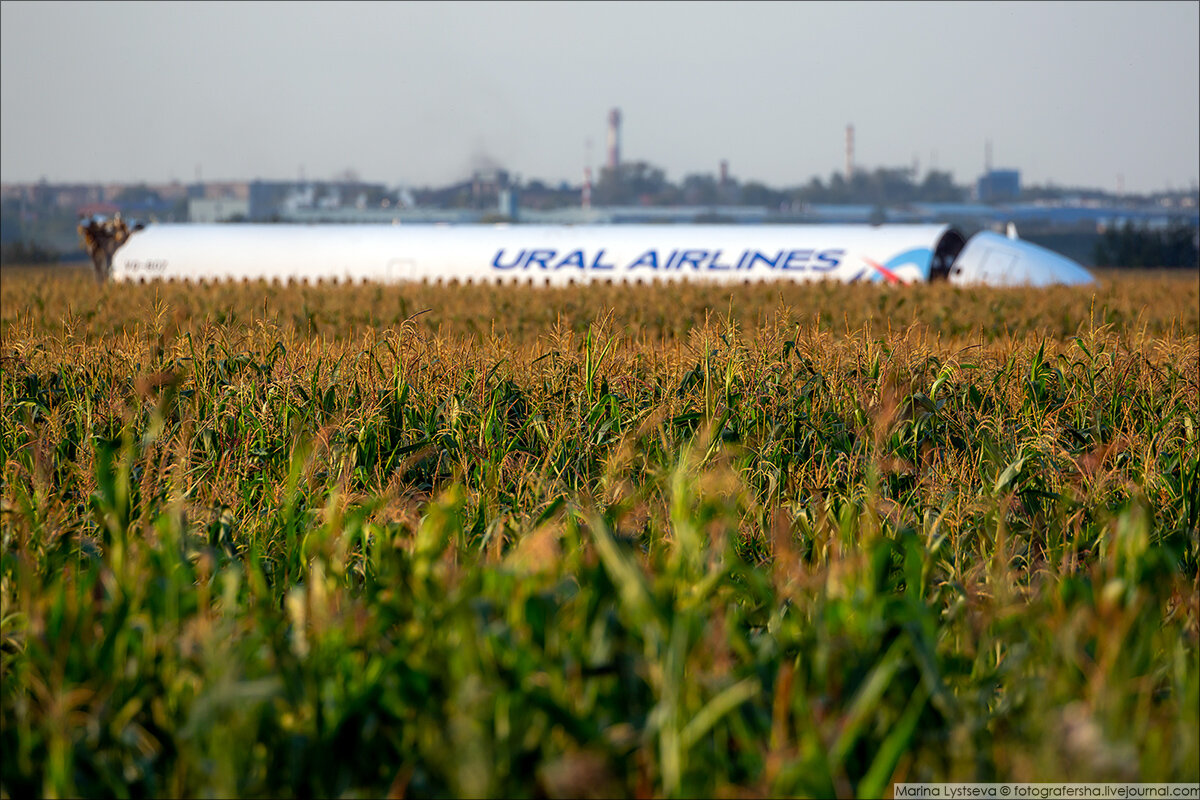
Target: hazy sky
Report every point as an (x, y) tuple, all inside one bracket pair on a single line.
[(416, 93)]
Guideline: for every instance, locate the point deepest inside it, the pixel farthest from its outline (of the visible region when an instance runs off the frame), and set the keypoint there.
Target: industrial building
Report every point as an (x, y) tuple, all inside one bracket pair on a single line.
[(998, 185)]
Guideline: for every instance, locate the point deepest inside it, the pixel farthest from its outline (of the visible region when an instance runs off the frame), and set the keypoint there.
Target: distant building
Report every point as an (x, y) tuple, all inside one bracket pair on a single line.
[(274, 200), (215, 190), (96, 209), (998, 185), (487, 184), (222, 209), (267, 197), (507, 204), (171, 191)]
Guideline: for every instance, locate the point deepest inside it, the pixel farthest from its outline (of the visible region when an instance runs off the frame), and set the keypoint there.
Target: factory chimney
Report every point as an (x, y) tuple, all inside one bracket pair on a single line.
[(614, 139), (724, 172), (586, 200), (849, 152)]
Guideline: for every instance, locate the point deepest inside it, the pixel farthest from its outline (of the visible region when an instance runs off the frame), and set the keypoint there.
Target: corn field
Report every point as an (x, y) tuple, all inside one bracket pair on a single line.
[(422, 541)]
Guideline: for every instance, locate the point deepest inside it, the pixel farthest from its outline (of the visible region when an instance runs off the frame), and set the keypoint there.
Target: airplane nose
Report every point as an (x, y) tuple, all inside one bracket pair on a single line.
[(998, 260)]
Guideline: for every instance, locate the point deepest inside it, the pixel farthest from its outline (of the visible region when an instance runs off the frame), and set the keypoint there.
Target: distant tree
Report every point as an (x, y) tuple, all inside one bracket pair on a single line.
[(700, 190), (1137, 246), (890, 185), (881, 186), (11, 212), (837, 192), (758, 194), (644, 179), (938, 187), (24, 252), (630, 183)]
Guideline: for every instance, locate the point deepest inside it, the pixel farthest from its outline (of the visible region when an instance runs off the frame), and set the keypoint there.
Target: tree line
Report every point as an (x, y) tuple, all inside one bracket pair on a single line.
[(1131, 245), (640, 183)]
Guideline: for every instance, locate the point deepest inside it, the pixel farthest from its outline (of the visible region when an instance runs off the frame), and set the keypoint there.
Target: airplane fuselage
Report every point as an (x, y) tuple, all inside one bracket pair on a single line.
[(562, 255)]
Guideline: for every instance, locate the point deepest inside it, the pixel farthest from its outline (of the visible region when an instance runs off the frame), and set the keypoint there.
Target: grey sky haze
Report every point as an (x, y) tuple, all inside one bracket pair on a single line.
[(416, 93)]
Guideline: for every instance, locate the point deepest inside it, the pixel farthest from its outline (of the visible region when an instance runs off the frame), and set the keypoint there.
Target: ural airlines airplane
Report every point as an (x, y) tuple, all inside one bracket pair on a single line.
[(564, 255)]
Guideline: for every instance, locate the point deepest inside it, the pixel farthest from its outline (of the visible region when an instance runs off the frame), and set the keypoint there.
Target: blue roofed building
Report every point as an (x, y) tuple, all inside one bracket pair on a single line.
[(998, 185)]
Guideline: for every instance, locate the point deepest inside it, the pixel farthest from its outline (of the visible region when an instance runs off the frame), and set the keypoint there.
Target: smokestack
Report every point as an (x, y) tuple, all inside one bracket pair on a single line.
[(724, 172), (586, 200), (614, 138), (849, 152)]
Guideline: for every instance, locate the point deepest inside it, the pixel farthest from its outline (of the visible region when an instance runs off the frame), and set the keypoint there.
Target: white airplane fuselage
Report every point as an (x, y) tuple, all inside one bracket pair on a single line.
[(563, 255)]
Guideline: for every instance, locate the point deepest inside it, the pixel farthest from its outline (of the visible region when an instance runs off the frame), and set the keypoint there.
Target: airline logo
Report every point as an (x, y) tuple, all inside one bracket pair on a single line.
[(654, 259), (907, 267)]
